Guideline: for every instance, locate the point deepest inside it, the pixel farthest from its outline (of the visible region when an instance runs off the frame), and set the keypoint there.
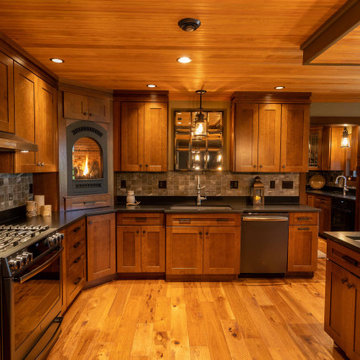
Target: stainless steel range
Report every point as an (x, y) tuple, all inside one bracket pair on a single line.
[(31, 292)]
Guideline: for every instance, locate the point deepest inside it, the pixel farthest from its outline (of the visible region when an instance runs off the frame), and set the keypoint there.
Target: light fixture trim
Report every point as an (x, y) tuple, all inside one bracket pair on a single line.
[(279, 87), (151, 85), (345, 142), (57, 60), (184, 60)]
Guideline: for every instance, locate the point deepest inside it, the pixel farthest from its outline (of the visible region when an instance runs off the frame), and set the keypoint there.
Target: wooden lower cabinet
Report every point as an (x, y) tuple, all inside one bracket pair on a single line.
[(101, 244), (184, 250), (324, 203), (342, 309), (74, 261), (222, 250), (302, 248), (140, 249)]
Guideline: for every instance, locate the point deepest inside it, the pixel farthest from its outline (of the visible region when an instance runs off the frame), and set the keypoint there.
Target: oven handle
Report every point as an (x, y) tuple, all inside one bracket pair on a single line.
[(31, 274)]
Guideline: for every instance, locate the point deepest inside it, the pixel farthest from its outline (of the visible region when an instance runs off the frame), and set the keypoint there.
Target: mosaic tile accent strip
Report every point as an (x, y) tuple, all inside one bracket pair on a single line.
[(216, 183), (14, 190)]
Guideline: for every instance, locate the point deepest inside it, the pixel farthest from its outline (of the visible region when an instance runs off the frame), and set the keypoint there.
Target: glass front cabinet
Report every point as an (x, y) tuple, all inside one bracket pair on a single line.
[(315, 142)]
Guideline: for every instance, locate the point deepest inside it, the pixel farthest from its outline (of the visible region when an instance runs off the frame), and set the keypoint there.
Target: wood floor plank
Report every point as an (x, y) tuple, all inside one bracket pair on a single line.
[(249, 319)]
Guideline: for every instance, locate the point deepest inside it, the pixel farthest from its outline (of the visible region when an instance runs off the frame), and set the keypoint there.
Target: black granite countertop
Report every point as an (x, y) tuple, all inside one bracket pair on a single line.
[(345, 238), (60, 220), (331, 193)]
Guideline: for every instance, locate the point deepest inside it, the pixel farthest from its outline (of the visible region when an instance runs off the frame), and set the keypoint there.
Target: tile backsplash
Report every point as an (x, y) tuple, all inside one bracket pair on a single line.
[(216, 183), (14, 190)]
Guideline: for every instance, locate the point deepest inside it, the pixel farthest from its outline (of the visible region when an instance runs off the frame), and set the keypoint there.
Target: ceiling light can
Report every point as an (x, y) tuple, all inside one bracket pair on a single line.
[(184, 60)]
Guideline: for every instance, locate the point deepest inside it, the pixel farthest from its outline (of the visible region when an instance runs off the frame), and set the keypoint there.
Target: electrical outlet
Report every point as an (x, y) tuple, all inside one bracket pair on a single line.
[(162, 184), (272, 184), (287, 184), (234, 184), (123, 184)]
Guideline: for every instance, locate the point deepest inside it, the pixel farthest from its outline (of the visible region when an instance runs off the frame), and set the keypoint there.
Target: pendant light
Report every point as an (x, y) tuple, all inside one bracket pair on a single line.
[(200, 128), (345, 142)]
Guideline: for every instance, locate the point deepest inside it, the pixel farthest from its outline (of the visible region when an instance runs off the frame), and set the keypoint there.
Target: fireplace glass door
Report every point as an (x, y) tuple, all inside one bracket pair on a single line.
[(87, 160)]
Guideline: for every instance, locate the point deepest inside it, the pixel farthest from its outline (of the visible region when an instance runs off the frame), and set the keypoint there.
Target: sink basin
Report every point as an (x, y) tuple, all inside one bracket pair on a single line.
[(356, 238), (200, 208)]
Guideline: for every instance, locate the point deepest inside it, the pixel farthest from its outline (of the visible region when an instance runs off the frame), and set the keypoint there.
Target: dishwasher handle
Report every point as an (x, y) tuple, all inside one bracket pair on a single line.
[(265, 218)]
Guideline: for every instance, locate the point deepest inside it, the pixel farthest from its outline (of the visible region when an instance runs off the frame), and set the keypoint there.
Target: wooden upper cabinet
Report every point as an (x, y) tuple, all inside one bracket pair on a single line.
[(7, 123), (83, 107), (246, 124), (315, 147), (75, 106), (101, 255), (221, 250), (269, 137), (25, 93), (132, 136), (155, 137), (295, 124), (46, 127)]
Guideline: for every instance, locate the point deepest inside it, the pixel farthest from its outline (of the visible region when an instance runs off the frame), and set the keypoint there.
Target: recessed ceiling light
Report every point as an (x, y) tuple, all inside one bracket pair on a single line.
[(279, 87), (151, 85), (57, 60), (184, 60)]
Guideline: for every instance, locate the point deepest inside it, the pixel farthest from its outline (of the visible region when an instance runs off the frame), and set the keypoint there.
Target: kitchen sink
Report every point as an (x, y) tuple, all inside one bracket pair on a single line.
[(356, 238), (200, 208)]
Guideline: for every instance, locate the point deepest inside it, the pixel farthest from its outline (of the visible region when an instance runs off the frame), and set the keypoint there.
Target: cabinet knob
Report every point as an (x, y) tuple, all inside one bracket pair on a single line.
[(260, 166), (90, 114), (350, 285), (137, 231), (140, 165), (144, 231), (85, 113), (146, 165), (283, 166), (206, 233), (254, 166), (200, 233), (344, 280)]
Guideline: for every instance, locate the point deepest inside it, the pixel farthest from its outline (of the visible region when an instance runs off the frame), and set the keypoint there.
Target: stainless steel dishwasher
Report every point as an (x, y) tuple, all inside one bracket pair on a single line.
[(264, 243)]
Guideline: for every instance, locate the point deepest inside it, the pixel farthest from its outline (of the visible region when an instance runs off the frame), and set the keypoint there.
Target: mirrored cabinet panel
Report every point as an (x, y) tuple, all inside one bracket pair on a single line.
[(198, 140)]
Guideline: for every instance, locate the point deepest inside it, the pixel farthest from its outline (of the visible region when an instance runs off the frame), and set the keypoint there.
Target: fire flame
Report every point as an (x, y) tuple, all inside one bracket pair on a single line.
[(86, 168)]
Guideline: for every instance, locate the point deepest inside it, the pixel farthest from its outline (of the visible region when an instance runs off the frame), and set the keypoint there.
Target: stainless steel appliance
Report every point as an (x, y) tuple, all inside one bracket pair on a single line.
[(30, 269), (264, 243)]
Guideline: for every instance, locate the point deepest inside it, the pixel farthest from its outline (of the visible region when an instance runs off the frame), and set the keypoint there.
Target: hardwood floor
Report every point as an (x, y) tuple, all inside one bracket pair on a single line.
[(247, 319)]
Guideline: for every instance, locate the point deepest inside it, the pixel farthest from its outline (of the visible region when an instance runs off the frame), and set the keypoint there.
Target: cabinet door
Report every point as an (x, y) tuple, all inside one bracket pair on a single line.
[(246, 124), (302, 248), (6, 94), (75, 106), (46, 127), (25, 93), (101, 256), (269, 138), (155, 140), (337, 153), (222, 250), (132, 136), (184, 250), (315, 148), (340, 302), (99, 109), (128, 249), (295, 122), (152, 249), (325, 214)]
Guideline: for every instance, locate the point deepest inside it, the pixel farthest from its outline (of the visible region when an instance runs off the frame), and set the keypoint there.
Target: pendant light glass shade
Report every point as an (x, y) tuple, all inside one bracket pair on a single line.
[(345, 141), (200, 122)]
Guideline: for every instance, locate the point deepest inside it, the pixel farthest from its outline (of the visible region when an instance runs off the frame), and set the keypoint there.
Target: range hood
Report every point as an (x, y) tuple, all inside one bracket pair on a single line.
[(11, 142)]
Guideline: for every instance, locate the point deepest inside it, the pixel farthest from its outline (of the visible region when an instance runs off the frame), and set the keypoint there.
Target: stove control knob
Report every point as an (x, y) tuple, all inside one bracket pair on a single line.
[(13, 264), (21, 259), (27, 256)]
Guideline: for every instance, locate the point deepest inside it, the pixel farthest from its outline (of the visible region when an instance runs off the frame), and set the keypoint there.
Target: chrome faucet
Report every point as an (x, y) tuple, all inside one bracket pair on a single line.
[(345, 188), (199, 188)]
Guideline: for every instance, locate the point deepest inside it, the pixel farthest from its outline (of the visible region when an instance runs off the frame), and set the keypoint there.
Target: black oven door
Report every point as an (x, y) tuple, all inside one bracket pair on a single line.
[(32, 302)]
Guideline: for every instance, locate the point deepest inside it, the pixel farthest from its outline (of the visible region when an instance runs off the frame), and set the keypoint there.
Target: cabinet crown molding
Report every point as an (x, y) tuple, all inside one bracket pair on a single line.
[(262, 97)]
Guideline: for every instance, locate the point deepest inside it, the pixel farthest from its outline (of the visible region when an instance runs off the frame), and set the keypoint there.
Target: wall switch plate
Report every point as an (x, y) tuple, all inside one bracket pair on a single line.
[(272, 184), (162, 184), (123, 184), (287, 184), (234, 184)]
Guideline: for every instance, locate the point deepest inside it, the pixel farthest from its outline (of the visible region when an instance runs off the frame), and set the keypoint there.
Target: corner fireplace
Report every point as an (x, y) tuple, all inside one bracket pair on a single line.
[(86, 158)]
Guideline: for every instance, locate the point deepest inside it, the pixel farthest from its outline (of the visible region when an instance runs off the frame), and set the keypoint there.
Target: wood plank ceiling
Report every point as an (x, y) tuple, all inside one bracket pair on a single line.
[(242, 45)]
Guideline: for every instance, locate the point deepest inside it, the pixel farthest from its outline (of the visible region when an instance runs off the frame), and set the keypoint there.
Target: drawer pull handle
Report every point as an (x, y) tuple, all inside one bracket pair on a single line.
[(350, 260), (76, 245), (137, 231), (77, 280), (200, 233), (223, 219), (350, 285), (303, 218), (184, 221), (140, 219), (207, 233), (344, 280), (77, 260), (76, 229), (304, 229), (144, 231)]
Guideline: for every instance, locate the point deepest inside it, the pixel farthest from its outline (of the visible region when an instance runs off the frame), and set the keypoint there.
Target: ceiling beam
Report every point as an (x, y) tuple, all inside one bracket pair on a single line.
[(335, 28)]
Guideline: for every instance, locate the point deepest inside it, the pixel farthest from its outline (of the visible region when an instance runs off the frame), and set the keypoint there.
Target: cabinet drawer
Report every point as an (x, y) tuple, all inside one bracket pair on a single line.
[(203, 220), (303, 218), (322, 201), (75, 232), (74, 254), (343, 256), (75, 279), (140, 219)]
